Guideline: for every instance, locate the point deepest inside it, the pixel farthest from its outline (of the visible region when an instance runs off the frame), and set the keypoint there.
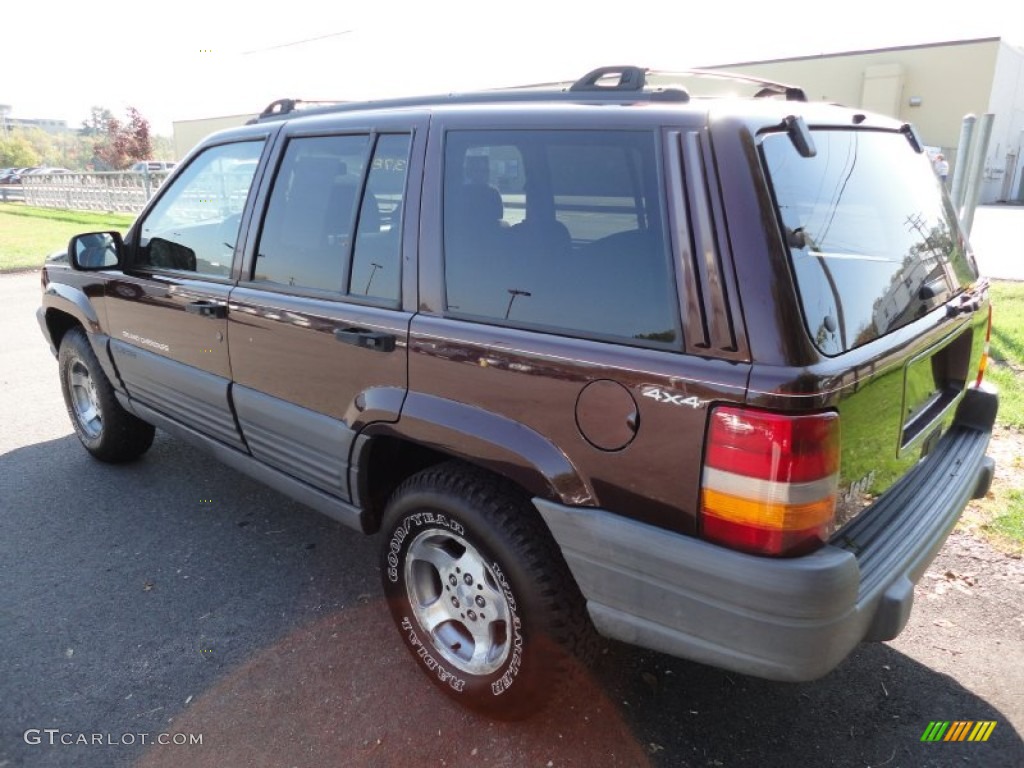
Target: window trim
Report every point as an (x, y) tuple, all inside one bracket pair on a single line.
[(569, 333)]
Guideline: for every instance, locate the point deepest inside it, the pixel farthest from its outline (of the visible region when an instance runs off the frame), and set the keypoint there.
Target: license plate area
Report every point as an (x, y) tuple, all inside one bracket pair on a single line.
[(933, 381)]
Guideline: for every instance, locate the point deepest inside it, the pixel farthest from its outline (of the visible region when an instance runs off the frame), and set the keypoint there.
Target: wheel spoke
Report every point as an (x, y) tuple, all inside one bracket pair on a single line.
[(436, 556), (483, 642), (431, 616), (80, 380), (88, 414)]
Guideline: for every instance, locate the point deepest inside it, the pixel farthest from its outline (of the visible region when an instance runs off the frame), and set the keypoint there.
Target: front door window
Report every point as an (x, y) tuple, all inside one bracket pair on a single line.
[(194, 226)]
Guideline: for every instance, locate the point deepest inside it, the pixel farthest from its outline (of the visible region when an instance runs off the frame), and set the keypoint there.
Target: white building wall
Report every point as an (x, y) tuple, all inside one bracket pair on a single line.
[(1004, 161)]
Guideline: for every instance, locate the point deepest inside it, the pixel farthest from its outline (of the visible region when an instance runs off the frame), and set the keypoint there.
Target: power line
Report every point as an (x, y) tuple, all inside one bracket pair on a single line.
[(298, 42)]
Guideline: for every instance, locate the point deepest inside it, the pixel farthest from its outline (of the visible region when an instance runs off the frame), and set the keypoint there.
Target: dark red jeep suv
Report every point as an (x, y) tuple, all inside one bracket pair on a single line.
[(703, 374)]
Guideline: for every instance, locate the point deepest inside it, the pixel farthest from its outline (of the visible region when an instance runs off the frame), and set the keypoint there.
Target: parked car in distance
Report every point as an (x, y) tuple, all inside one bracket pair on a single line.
[(149, 166), (13, 175), (46, 170), (705, 375)]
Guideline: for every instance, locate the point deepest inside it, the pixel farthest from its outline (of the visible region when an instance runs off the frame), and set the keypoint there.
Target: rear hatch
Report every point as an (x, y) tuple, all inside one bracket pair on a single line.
[(888, 291)]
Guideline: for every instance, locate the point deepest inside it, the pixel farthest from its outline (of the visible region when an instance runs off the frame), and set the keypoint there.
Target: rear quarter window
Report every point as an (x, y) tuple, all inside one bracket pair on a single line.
[(873, 241)]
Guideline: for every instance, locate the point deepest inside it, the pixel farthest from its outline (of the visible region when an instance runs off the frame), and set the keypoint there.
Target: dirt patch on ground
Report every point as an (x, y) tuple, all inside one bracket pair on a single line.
[(1007, 448)]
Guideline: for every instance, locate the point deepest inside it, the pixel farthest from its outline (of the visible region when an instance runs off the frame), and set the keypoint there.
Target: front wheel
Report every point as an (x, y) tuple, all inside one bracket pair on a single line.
[(480, 592), (108, 431)]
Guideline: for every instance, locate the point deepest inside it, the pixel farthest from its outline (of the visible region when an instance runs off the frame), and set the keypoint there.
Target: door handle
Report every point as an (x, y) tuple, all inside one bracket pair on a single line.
[(378, 341), (206, 308)]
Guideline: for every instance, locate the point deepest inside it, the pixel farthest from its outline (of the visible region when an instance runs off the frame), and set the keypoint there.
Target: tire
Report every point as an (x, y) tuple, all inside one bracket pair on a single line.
[(108, 431), (480, 592)]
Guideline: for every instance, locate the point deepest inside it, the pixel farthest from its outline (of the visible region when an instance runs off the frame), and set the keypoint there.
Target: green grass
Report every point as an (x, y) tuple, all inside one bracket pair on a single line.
[(1011, 522), (1006, 369), (1000, 516), (1008, 320), (28, 235), (1001, 519), (1011, 393)]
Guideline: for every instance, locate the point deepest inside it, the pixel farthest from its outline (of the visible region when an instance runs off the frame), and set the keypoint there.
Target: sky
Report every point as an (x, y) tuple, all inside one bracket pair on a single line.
[(185, 59)]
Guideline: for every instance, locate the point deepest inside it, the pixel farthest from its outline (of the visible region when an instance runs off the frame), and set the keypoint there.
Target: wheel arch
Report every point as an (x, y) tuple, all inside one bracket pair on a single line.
[(432, 430), (58, 322), (59, 300), (61, 313)]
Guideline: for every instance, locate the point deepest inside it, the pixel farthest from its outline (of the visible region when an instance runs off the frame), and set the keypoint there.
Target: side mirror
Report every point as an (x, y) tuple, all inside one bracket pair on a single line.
[(96, 250)]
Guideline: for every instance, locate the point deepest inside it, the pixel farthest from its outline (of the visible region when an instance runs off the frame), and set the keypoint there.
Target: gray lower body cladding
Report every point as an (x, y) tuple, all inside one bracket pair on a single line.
[(782, 619)]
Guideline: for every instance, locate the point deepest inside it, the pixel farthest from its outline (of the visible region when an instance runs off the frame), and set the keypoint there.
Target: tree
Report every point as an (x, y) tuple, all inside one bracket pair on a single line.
[(122, 144), (139, 134), (96, 125), (16, 152), (48, 147), (163, 147)]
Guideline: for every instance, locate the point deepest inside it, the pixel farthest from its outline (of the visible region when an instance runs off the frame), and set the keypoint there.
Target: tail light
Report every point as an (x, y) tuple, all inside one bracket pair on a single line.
[(984, 354), (770, 480)]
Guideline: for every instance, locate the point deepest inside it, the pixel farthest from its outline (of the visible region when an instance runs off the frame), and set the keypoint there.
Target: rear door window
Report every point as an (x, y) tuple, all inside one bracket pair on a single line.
[(327, 188), (873, 241), (559, 231), (312, 212)]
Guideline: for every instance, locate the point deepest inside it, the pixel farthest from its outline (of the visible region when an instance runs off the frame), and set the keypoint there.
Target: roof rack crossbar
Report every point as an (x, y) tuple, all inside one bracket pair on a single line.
[(282, 107), (629, 79), (768, 87)]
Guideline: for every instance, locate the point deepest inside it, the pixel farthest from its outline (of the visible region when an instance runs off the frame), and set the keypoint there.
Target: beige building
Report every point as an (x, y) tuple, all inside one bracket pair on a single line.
[(932, 86), (188, 133)]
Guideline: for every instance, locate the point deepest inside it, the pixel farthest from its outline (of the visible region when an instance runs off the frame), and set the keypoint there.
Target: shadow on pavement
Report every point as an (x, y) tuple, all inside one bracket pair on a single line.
[(342, 692)]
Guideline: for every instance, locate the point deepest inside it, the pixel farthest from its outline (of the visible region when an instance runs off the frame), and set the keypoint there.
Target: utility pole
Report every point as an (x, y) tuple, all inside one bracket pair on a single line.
[(977, 169), (963, 158)]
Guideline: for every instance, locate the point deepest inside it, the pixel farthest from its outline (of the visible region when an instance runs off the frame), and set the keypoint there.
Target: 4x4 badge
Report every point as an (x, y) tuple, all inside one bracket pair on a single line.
[(667, 397)]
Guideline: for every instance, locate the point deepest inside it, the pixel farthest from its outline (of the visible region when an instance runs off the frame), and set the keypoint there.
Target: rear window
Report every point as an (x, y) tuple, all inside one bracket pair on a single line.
[(872, 238)]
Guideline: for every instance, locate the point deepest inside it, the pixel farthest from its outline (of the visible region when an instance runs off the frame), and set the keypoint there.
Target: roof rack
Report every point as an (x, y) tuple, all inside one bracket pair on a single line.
[(619, 83), (282, 107), (628, 78), (768, 88)]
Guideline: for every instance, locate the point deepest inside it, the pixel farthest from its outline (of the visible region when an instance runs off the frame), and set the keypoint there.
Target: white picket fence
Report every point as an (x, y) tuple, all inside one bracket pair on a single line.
[(118, 191)]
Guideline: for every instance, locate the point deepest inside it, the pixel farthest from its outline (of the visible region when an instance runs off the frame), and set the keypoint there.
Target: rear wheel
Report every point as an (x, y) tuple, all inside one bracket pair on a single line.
[(480, 591), (108, 431)]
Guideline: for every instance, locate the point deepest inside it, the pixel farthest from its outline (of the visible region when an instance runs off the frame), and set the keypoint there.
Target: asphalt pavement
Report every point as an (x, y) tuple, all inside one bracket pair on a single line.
[(175, 600)]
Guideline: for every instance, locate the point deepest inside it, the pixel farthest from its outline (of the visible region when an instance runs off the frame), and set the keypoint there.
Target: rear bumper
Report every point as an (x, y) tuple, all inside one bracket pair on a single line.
[(781, 619)]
